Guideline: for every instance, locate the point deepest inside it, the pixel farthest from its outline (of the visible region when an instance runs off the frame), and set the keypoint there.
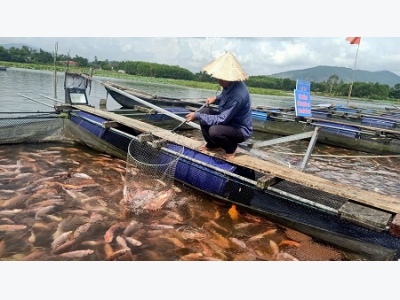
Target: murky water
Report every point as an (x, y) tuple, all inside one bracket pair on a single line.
[(64, 202), (40, 192), (378, 173)]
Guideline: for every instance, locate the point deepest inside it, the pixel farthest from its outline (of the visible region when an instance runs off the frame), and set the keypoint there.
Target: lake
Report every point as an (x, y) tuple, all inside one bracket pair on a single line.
[(32, 83), (380, 174)]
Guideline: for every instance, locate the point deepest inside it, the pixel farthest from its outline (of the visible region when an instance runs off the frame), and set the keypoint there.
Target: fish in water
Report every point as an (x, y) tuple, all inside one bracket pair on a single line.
[(81, 175), (132, 226), (132, 241), (159, 200), (117, 254), (283, 256), (233, 213), (12, 227), (109, 235), (76, 254), (43, 211), (192, 256), (121, 242), (65, 247), (137, 199), (10, 212), (274, 247), (289, 242), (263, 234), (61, 239), (82, 230), (108, 250)]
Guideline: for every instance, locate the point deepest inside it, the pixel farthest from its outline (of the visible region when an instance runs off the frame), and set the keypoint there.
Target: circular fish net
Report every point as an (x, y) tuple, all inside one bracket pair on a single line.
[(150, 173)]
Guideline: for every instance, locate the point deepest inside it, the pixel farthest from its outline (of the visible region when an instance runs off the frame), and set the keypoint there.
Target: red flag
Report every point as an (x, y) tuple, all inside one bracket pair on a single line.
[(354, 40)]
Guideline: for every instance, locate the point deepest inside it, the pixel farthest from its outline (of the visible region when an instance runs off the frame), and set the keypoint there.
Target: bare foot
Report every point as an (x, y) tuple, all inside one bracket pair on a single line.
[(230, 155), (204, 148)]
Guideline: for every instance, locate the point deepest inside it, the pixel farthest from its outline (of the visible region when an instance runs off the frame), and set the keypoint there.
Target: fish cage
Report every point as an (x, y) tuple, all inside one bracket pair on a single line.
[(150, 172), (316, 213), (40, 127)]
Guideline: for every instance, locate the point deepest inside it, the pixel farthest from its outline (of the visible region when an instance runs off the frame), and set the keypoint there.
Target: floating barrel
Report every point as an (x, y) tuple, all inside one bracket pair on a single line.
[(88, 122), (263, 115), (260, 115), (378, 122), (393, 116), (320, 114), (93, 128), (342, 129), (204, 177), (346, 110)]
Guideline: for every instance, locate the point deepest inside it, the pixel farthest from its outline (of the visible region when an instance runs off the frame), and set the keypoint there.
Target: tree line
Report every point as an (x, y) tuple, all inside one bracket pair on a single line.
[(333, 87)]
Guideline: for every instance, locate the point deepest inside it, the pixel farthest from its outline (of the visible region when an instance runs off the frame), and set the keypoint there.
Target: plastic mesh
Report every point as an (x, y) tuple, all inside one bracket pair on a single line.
[(150, 171), (152, 165), (31, 129)]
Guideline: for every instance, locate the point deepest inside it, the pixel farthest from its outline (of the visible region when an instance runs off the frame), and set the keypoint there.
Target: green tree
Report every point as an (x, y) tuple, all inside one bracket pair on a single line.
[(395, 91), (4, 54), (81, 61), (332, 83)]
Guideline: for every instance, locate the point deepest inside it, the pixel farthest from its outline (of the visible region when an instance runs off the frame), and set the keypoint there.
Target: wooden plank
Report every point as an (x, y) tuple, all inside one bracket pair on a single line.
[(384, 202), (266, 181), (366, 216), (110, 124)]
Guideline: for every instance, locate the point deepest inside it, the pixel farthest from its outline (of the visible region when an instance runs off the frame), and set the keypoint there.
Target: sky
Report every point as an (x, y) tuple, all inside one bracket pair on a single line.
[(265, 39)]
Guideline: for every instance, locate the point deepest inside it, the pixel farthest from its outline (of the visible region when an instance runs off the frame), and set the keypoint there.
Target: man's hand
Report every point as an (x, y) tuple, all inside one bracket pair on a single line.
[(190, 117), (211, 100)]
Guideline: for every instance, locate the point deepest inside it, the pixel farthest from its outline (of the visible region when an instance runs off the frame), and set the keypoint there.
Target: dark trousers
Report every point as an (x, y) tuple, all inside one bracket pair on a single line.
[(220, 136)]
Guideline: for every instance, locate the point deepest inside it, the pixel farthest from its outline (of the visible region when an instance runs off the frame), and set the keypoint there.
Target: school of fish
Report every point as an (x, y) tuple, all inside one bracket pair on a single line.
[(68, 202)]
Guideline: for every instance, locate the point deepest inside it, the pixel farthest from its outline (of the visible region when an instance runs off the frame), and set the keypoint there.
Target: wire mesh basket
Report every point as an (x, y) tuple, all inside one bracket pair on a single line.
[(150, 173)]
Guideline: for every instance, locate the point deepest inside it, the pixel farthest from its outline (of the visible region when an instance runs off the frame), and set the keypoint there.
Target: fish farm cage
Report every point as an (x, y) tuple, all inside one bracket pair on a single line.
[(301, 208)]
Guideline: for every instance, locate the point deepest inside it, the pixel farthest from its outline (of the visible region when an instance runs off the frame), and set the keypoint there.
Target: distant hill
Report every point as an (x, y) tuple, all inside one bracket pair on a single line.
[(315, 74), (322, 73)]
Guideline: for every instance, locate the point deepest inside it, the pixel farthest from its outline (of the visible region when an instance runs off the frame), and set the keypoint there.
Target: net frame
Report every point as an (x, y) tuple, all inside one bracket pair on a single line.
[(150, 172)]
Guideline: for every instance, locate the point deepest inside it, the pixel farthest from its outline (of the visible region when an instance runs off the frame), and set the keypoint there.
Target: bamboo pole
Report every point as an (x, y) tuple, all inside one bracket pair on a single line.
[(352, 81), (55, 70), (38, 101)]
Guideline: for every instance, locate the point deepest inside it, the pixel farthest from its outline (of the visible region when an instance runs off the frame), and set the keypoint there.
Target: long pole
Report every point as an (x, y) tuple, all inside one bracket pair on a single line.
[(38, 101), (55, 70), (352, 81), (156, 108)]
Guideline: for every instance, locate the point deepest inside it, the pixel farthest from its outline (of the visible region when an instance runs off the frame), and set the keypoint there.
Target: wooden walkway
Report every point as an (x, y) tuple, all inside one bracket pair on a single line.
[(383, 202)]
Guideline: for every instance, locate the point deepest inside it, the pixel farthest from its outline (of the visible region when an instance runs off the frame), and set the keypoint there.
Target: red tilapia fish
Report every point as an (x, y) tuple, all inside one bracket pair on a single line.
[(233, 213), (76, 254), (12, 227), (159, 200), (109, 235), (136, 196)]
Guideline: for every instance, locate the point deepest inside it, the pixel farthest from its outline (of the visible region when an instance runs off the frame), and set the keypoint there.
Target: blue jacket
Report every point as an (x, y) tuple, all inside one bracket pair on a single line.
[(234, 106)]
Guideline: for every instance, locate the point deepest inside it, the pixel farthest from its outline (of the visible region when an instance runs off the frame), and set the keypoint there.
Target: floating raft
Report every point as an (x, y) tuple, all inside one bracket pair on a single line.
[(345, 216), (368, 131), (270, 169)]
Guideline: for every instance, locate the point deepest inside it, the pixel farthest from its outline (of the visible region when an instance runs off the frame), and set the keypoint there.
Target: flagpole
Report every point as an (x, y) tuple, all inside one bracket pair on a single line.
[(352, 81)]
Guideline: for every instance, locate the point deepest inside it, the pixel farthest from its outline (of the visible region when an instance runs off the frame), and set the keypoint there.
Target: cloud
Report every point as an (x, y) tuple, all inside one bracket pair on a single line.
[(278, 38), (258, 56)]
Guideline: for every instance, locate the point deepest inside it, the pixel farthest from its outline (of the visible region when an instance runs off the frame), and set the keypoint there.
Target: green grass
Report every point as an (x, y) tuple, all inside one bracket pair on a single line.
[(115, 74), (187, 83)]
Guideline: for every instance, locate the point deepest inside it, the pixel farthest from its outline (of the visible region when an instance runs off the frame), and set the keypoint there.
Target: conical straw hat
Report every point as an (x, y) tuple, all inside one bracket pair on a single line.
[(226, 67)]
